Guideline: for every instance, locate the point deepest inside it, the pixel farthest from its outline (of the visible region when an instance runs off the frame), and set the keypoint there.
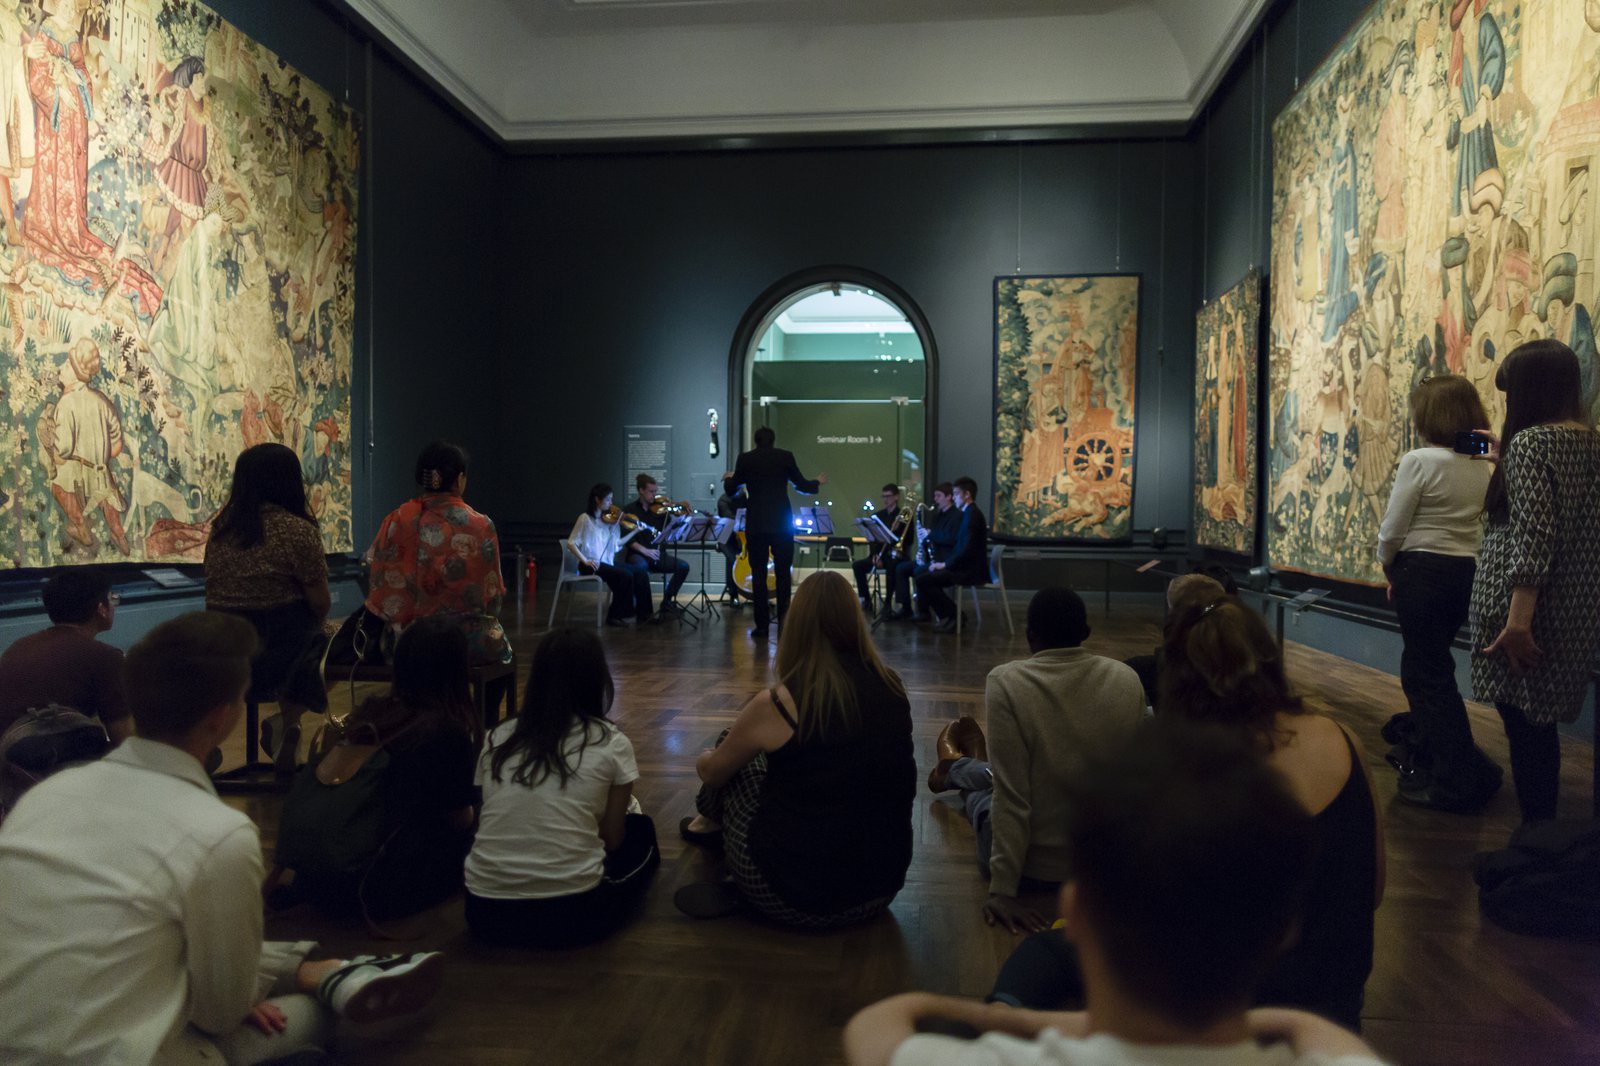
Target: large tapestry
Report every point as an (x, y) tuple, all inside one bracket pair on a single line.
[(1431, 211), (178, 210), (1065, 356), (1227, 357)]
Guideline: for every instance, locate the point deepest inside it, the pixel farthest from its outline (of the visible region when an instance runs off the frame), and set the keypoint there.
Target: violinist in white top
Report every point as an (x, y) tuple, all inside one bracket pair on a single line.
[(597, 536)]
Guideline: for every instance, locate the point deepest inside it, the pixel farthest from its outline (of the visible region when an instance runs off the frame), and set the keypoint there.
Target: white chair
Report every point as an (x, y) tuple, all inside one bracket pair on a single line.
[(997, 584), (567, 574)]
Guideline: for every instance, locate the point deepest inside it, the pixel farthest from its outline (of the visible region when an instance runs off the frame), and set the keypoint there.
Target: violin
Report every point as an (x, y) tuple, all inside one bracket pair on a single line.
[(669, 508), (616, 516)]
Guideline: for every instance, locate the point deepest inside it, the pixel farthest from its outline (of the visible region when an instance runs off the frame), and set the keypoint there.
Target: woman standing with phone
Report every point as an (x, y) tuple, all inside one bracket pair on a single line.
[(1535, 627), (1428, 547)]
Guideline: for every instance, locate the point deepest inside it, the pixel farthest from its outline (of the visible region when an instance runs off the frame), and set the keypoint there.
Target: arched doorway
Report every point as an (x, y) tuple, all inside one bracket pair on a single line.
[(840, 363)]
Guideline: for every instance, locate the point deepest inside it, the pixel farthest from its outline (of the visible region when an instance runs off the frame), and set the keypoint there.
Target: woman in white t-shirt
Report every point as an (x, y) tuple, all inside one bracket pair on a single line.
[(558, 860), (1428, 546)]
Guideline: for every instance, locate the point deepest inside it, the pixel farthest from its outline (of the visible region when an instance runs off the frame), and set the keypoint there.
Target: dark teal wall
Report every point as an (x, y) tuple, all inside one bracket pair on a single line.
[(426, 280), (640, 267)]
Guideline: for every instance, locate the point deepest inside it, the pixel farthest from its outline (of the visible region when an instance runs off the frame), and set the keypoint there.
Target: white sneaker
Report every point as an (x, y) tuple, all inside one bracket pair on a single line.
[(369, 988)]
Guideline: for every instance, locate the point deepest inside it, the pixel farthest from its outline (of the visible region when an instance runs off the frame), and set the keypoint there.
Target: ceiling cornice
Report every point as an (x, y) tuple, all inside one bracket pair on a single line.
[(743, 130)]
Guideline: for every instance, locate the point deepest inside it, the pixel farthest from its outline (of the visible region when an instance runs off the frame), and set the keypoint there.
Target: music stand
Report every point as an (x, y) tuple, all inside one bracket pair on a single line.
[(680, 530), (814, 522), (876, 533)]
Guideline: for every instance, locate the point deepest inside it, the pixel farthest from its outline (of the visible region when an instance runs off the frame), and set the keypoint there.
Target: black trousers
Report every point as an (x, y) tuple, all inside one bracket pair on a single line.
[(931, 593), (863, 570), (1535, 763), (630, 589), (782, 547), (897, 583), (666, 564), (1432, 594), (583, 918)]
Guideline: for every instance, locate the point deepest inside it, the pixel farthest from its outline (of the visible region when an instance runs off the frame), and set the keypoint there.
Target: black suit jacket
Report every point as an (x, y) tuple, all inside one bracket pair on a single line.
[(969, 558), (767, 473)]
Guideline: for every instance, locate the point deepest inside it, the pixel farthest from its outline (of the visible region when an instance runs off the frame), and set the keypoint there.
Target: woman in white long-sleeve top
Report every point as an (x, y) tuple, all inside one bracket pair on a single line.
[(1428, 546)]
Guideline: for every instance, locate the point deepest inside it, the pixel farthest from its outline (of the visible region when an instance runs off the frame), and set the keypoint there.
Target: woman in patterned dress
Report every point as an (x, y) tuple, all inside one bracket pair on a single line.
[(265, 563), (1535, 626)]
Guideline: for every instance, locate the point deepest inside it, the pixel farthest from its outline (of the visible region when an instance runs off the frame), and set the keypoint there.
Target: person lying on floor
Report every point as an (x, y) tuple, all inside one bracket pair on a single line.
[(810, 791), (1192, 855), (131, 930), (1049, 716)]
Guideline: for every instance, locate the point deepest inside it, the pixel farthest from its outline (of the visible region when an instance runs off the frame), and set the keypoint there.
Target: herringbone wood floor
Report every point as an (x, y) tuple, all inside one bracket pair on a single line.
[(1447, 988)]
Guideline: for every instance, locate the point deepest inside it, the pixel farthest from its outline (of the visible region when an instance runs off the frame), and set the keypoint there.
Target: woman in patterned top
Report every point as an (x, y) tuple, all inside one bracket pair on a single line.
[(436, 557), (1534, 624), (265, 563)]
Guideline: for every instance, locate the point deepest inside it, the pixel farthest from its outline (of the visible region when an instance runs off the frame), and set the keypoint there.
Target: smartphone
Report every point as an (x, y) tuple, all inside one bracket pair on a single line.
[(1472, 443)]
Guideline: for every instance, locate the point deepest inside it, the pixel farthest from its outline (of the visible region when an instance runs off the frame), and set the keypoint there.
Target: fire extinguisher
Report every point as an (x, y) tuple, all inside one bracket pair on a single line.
[(530, 580)]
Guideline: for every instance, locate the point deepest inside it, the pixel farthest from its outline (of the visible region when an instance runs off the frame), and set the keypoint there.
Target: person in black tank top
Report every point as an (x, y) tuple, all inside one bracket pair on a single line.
[(810, 791)]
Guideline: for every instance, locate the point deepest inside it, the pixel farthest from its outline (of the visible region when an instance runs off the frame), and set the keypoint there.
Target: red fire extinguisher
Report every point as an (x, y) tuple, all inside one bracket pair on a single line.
[(530, 580)]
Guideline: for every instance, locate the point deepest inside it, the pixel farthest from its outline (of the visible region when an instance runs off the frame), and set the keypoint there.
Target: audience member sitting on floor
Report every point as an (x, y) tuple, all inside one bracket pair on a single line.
[(394, 849), (265, 563), (65, 664), (1191, 857), (1049, 716), (1203, 584), (561, 856), (810, 790), (131, 930), (1224, 668)]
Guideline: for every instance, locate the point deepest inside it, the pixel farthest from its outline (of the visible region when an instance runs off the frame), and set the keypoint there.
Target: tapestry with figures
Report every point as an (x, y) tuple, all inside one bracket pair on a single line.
[(1065, 360), (1227, 356), (177, 234), (1431, 210)]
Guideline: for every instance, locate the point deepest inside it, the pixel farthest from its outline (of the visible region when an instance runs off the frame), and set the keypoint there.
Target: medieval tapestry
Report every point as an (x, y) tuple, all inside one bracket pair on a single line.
[(178, 211), (1065, 354), (1227, 353), (1430, 212)]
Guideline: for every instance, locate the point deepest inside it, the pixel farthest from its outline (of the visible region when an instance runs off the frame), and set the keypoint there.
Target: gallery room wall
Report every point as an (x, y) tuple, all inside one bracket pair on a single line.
[(1233, 141), (425, 314), (629, 275)]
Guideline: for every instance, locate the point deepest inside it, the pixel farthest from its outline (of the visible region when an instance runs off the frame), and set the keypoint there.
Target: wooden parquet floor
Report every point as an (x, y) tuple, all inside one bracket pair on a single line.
[(1447, 987)]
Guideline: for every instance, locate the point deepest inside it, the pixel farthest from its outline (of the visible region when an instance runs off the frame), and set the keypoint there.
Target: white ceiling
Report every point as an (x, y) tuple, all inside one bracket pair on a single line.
[(566, 70), (851, 310)]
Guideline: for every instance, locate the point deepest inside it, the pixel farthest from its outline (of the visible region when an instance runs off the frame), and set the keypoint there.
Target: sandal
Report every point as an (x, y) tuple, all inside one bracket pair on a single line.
[(705, 838), (708, 899)]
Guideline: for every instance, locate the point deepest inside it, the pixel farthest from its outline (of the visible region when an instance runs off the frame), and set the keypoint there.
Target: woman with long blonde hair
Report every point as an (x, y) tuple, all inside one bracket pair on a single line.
[(809, 791)]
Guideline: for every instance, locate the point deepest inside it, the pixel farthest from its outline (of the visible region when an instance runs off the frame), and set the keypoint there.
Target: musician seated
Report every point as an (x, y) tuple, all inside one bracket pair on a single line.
[(933, 544), (645, 552), (595, 540), (966, 564), (878, 558)]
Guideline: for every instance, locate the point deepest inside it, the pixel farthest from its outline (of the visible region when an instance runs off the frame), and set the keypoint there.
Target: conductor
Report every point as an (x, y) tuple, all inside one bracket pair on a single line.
[(766, 472)]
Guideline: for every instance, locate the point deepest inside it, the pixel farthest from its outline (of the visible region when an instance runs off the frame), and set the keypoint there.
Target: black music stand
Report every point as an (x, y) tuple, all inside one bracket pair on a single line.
[(814, 522), (680, 530), (702, 532), (876, 532)]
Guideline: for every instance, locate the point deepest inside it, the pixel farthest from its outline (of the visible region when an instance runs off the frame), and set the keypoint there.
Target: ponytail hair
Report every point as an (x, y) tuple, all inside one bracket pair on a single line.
[(439, 465), (1222, 666)]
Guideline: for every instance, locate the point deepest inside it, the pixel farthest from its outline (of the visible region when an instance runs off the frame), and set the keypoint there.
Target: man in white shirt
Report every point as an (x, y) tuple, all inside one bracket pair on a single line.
[(1049, 716), (130, 926), (1191, 859)]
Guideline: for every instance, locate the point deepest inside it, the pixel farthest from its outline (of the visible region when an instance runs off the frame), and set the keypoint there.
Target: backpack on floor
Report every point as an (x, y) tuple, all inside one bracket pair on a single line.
[(1545, 882), (335, 822), (42, 741)]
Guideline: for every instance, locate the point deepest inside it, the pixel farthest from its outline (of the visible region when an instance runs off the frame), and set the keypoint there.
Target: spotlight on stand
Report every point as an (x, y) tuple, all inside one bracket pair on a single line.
[(1158, 538), (1259, 578)]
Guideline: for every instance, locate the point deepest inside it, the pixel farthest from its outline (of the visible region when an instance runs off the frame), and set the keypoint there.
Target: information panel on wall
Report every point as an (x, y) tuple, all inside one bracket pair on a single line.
[(648, 450)]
